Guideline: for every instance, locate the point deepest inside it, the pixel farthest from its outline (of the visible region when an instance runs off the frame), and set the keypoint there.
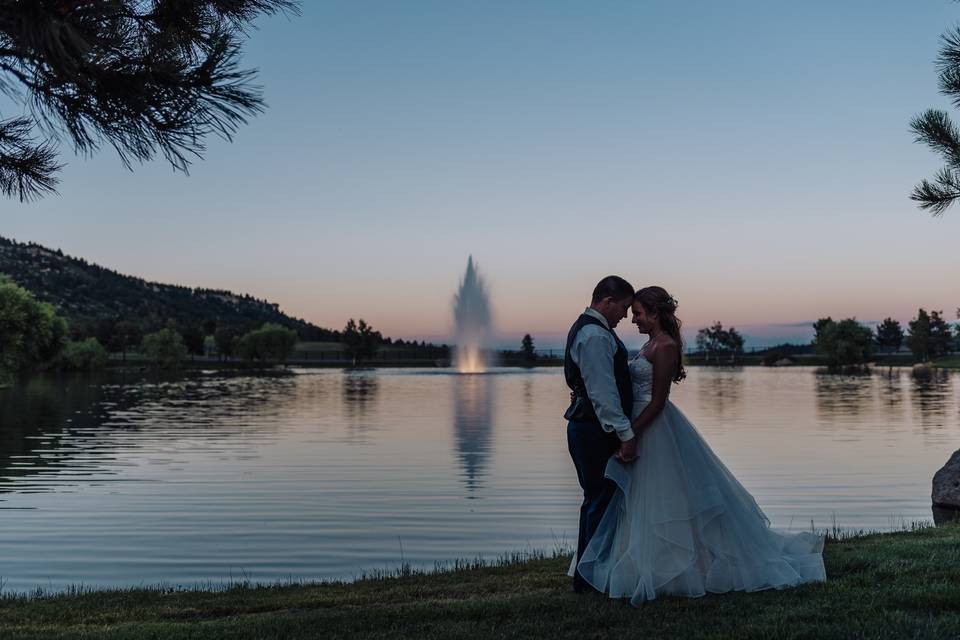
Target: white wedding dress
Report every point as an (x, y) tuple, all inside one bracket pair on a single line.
[(680, 524)]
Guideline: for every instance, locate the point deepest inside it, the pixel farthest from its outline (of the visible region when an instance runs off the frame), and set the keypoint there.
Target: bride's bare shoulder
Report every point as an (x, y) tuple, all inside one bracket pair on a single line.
[(664, 342), (662, 348)]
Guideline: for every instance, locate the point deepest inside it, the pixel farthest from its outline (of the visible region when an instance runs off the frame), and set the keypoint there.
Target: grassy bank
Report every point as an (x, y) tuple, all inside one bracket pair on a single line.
[(807, 360), (947, 362), (899, 585)]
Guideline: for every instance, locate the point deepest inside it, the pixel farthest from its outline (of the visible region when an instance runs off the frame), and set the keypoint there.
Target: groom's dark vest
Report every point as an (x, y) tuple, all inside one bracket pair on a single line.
[(581, 408)]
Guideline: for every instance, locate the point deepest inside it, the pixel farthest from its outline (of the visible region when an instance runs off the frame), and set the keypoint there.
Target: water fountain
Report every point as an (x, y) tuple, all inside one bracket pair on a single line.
[(472, 323)]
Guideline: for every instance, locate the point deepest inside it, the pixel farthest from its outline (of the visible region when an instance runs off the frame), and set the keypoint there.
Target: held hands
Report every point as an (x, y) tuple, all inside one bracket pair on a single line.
[(628, 451)]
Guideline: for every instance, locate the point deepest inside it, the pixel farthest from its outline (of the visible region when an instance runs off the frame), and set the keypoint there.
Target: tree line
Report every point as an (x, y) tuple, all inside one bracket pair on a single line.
[(33, 337), (718, 344), (119, 310), (847, 343)]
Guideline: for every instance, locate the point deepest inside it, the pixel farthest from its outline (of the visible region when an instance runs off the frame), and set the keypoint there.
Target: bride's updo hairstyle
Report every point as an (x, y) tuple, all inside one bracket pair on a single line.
[(657, 301)]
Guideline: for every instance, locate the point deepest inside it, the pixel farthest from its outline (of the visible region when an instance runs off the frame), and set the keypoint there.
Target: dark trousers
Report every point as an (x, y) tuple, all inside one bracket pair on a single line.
[(591, 447)]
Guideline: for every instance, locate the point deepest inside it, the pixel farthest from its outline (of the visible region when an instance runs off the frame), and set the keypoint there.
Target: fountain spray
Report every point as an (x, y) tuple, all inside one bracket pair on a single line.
[(472, 322)]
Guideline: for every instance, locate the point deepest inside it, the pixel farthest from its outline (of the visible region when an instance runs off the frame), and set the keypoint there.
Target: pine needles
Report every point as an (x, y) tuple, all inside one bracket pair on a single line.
[(147, 78), (935, 129)]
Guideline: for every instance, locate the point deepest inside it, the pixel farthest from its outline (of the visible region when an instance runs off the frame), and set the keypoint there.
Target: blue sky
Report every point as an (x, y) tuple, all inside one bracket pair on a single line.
[(752, 157)]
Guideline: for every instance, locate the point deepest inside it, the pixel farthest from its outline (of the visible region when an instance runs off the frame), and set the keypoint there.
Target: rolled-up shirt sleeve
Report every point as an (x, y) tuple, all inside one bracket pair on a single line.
[(595, 350)]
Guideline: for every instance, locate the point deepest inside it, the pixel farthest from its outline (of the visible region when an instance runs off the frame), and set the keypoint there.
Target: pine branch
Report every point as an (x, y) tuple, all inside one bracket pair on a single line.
[(949, 82), (147, 78), (935, 129), (938, 195), (949, 55), (27, 169)]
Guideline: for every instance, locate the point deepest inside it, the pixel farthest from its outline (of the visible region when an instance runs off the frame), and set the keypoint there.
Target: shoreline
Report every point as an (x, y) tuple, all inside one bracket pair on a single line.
[(946, 363), (880, 585)]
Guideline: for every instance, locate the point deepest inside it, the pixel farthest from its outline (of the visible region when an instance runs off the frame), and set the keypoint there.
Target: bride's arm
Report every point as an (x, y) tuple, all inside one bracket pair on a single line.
[(664, 359)]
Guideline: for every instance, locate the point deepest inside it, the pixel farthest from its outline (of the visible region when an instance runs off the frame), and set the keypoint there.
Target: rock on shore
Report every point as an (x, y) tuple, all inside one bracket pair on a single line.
[(946, 490)]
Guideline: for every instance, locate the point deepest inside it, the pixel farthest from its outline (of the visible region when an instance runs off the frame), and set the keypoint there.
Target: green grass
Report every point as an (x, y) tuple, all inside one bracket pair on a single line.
[(894, 360), (947, 362), (746, 360), (899, 585), (881, 360), (318, 346), (909, 360)]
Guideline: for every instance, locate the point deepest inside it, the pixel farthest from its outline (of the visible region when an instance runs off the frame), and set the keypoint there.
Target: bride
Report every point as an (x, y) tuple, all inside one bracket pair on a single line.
[(680, 523)]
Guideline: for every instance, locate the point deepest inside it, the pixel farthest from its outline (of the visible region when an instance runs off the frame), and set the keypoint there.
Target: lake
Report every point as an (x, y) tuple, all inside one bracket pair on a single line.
[(208, 478)]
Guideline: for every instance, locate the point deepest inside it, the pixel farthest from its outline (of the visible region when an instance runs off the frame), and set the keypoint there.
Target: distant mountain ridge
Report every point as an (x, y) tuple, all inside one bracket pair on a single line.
[(86, 294)]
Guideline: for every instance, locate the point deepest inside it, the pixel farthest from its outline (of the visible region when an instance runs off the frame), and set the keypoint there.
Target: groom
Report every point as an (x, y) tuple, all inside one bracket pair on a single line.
[(595, 366)]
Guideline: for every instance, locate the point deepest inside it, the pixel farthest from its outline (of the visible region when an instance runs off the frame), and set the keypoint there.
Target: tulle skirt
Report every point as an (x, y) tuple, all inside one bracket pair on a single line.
[(681, 524)]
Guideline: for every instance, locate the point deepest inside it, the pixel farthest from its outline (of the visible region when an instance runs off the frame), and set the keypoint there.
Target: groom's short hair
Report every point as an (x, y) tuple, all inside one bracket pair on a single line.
[(612, 287)]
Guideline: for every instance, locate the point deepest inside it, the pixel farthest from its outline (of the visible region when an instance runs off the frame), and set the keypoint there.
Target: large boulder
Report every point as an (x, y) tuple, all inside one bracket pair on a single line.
[(946, 490)]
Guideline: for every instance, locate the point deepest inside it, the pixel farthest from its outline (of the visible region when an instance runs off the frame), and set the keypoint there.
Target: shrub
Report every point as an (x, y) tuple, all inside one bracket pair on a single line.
[(271, 343), (164, 348), (844, 344), (31, 333), (85, 355)]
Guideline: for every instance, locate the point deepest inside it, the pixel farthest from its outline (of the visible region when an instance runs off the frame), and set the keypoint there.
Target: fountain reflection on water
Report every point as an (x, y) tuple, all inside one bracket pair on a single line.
[(473, 427), (472, 323)]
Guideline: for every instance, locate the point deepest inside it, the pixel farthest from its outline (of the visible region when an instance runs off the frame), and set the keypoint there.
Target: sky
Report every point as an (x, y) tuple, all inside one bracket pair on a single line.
[(753, 157)]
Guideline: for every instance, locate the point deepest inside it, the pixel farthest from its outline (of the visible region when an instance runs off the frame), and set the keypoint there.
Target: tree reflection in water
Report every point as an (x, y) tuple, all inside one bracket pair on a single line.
[(360, 391), (472, 425), (60, 430), (528, 397), (720, 391), (891, 388), (931, 394), (842, 397), (37, 418)]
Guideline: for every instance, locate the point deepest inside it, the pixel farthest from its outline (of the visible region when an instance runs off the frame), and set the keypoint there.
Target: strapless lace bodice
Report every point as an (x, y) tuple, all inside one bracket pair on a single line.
[(641, 374)]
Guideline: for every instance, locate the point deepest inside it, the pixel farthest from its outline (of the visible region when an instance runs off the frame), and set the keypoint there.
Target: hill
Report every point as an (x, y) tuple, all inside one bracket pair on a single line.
[(90, 296)]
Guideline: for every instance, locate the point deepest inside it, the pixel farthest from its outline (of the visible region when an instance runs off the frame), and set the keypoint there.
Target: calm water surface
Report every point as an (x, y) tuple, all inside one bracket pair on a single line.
[(324, 474)]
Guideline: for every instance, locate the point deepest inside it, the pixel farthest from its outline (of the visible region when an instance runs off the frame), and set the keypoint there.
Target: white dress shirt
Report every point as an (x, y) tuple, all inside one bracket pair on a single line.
[(592, 351)]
